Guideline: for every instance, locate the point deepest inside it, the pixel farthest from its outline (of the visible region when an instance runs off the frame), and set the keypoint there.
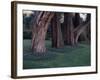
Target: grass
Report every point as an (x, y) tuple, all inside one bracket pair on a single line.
[(64, 57)]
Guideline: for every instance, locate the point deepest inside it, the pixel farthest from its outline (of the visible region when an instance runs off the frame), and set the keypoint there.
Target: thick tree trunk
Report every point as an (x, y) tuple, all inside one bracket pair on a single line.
[(39, 31), (54, 31), (68, 29), (57, 40), (60, 42)]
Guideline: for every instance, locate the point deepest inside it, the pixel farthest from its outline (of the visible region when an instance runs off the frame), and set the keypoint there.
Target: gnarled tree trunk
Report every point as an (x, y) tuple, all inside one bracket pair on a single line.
[(39, 31), (79, 30)]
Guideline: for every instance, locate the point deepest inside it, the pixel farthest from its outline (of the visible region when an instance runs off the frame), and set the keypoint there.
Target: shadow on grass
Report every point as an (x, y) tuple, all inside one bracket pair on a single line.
[(63, 57)]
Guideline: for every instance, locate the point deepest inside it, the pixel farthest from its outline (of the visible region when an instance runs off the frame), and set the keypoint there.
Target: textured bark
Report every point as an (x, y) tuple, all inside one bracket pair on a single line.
[(79, 30), (39, 31), (74, 28), (57, 40), (68, 29)]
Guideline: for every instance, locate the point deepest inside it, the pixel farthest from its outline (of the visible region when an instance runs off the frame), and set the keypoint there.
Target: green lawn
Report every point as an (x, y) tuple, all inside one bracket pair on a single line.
[(65, 57)]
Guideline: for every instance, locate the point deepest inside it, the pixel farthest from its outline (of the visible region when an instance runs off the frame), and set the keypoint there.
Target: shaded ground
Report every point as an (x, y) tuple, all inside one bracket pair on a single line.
[(64, 57)]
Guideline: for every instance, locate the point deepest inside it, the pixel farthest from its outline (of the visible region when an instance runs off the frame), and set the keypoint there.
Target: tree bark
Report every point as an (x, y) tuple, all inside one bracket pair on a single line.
[(68, 29), (79, 30), (72, 30), (39, 31), (57, 39)]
